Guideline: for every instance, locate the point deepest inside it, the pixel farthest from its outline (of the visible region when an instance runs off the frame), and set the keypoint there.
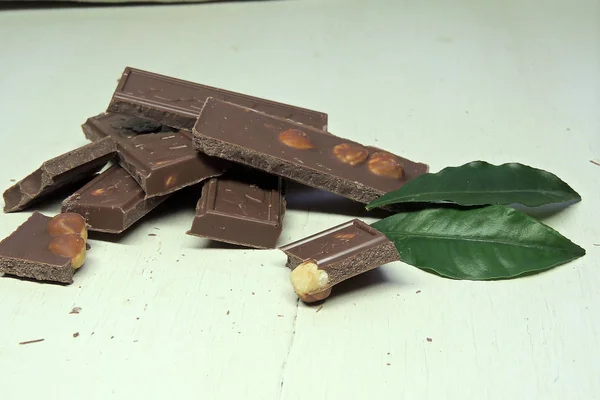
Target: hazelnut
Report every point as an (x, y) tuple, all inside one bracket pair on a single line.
[(344, 236), (66, 223), (349, 153), (310, 282), (70, 246), (386, 165), (170, 180), (296, 138), (98, 192)]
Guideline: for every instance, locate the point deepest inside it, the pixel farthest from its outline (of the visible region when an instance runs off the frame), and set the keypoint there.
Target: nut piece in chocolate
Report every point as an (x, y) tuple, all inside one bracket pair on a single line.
[(325, 259)]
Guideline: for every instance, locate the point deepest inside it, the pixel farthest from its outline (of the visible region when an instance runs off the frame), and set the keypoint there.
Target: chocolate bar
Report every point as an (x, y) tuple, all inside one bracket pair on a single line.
[(301, 153), (45, 249), (71, 167), (325, 259), (244, 211), (111, 202), (162, 160), (177, 103)]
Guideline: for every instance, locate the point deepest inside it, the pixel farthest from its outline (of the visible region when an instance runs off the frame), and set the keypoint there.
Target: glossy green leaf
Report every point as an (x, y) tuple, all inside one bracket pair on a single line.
[(493, 242), (479, 183)]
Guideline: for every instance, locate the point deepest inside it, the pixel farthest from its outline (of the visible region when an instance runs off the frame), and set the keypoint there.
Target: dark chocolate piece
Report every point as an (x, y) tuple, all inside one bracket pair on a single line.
[(175, 102), (244, 211), (162, 162), (285, 148), (111, 202), (57, 172), (325, 259), (26, 253)]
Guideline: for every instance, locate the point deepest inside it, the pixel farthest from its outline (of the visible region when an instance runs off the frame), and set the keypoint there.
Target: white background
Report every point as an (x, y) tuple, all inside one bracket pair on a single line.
[(435, 81)]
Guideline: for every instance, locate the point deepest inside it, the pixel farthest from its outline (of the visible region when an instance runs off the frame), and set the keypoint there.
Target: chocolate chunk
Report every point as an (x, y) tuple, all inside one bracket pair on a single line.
[(325, 259), (27, 253), (121, 126), (177, 103), (161, 163), (295, 151), (111, 202), (57, 172), (245, 211)]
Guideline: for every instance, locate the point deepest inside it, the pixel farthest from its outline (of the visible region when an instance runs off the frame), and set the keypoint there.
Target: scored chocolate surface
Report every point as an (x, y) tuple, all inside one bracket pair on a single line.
[(176, 102), (295, 151), (161, 159), (111, 202), (25, 253), (71, 167), (343, 251), (245, 211)]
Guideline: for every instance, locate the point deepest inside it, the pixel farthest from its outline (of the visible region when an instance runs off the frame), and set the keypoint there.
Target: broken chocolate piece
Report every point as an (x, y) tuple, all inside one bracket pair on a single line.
[(177, 103), (57, 172), (111, 202), (161, 163), (32, 252), (325, 259), (244, 211), (291, 150)]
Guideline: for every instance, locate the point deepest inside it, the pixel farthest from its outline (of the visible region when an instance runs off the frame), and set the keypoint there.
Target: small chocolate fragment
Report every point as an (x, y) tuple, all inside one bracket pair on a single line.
[(304, 154), (243, 211), (111, 202), (162, 162), (53, 174), (28, 252), (177, 103), (325, 259)]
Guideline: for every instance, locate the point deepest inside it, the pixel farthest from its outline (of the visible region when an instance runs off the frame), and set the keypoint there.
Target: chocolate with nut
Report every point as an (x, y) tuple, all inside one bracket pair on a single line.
[(161, 159), (45, 249), (71, 167), (325, 259), (175, 102), (111, 202), (304, 154), (244, 208)]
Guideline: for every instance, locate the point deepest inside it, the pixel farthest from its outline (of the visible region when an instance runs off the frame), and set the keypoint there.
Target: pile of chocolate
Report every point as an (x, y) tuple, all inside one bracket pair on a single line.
[(161, 134)]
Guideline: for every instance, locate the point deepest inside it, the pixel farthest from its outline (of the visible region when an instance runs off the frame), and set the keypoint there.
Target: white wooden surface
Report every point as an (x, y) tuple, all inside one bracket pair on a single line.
[(170, 316)]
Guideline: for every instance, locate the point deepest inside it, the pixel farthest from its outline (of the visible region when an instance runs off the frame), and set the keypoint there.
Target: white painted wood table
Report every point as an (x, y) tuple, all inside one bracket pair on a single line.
[(173, 316)]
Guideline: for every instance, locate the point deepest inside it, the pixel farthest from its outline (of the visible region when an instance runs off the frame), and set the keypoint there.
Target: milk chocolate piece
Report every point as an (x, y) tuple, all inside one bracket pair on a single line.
[(26, 253), (111, 202), (57, 172), (177, 103), (162, 162), (295, 151), (327, 258), (243, 209)]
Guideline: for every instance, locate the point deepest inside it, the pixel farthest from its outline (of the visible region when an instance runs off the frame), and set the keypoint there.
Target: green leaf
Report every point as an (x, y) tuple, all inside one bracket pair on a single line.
[(493, 242), (479, 183)]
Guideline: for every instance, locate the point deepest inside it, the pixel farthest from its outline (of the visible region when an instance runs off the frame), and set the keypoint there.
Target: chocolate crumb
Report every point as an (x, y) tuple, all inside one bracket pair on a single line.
[(280, 315), (92, 334), (388, 364), (137, 318), (595, 162), (135, 341), (13, 180), (112, 337), (87, 246), (152, 234), (158, 229), (429, 339), (32, 341), (319, 309), (252, 293), (75, 310), (418, 291), (227, 312), (76, 334)]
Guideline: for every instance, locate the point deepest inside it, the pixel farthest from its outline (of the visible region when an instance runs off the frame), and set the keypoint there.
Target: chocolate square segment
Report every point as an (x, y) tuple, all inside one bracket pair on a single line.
[(344, 250), (177, 103), (295, 151), (26, 254), (243, 211)]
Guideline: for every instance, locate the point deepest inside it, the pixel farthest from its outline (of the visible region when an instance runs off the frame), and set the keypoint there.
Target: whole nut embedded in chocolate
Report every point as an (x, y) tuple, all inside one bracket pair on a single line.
[(66, 223), (386, 165), (349, 153), (70, 246), (297, 139), (310, 282)]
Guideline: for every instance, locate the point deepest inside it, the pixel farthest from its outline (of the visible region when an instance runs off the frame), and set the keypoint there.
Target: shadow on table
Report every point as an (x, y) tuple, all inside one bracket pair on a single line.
[(34, 5)]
